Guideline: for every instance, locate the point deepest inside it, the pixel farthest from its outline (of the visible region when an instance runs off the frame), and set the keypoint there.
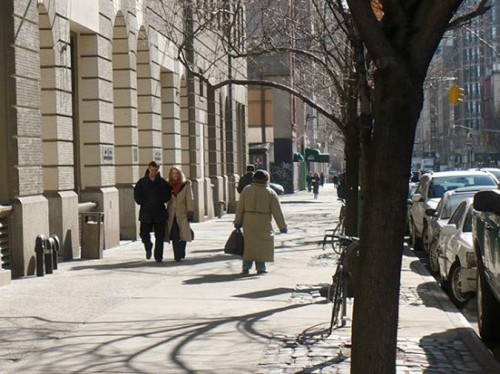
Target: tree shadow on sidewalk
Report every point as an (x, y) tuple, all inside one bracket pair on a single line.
[(129, 345), (456, 350)]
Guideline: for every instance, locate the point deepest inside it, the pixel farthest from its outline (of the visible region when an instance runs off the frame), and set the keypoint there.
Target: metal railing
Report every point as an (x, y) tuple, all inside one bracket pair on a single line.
[(5, 250)]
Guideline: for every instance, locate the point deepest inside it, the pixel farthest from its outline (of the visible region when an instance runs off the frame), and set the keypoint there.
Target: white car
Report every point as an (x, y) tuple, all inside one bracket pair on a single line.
[(494, 171), (431, 188), (456, 256), (437, 218)]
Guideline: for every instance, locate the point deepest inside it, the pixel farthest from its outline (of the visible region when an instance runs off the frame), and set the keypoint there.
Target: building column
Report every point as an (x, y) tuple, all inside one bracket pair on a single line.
[(97, 131), (215, 155), (231, 155), (57, 130), (125, 127), (21, 132), (194, 133)]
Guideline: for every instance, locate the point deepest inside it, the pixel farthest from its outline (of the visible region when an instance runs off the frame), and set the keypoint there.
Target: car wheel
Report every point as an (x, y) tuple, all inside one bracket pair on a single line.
[(434, 257), (458, 297), (488, 311), (415, 240)]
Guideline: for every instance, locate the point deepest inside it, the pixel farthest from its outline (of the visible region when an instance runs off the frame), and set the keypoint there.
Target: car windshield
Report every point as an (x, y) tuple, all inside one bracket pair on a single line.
[(440, 185), (495, 172)]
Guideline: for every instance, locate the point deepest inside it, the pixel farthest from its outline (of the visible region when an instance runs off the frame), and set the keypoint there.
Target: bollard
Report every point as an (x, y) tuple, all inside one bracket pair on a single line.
[(39, 250), (53, 242), (48, 257)]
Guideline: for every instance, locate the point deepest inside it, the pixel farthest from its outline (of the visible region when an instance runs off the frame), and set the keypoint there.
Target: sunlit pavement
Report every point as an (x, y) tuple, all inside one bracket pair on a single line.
[(124, 314)]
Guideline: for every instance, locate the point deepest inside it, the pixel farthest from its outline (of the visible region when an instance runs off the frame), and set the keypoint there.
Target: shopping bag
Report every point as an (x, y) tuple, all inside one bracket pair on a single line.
[(235, 243)]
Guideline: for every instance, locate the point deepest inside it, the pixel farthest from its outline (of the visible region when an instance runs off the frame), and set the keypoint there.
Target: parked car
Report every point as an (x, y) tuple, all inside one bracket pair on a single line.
[(486, 239), (456, 257), (411, 190), (432, 187), (278, 188), (494, 171), (437, 218)]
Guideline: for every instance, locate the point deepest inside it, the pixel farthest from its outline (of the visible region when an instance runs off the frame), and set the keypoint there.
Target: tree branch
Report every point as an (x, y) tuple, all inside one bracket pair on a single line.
[(264, 83), (482, 8)]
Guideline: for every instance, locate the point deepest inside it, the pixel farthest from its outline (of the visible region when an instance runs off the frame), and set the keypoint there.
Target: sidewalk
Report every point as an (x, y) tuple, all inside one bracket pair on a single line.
[(124, 314)]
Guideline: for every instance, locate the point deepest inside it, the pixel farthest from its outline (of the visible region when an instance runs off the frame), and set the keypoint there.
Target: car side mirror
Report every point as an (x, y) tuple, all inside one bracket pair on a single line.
[(431, 212), (416, 198), (449, 229), (487, 201)]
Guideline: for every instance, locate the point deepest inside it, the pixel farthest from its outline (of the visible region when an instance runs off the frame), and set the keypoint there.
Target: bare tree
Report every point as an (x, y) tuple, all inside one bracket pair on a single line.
[(313, 35)]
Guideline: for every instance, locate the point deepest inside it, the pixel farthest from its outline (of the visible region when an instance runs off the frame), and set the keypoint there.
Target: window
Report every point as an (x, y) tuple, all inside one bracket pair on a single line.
[(468, 221), (446, 208), (455, 217)]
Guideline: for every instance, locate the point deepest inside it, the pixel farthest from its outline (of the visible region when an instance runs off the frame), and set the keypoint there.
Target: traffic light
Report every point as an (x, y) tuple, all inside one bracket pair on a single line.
[(456, 94)]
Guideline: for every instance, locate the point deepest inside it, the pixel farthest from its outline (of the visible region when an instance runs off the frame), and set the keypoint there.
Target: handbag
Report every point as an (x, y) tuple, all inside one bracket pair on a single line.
[(235, 243)]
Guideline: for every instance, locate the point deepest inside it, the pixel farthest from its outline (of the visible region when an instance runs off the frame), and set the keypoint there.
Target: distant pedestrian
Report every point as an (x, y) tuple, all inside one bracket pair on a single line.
[(257, 206), (335, 180), (315, 183), (322, 179), (308, 181), (246, 178), (342, 187), (151, 192), (180, 213)]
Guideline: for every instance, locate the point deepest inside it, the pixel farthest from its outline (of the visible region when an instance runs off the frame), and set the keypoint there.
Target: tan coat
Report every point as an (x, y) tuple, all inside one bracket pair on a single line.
[(178, 207), (257, 205)]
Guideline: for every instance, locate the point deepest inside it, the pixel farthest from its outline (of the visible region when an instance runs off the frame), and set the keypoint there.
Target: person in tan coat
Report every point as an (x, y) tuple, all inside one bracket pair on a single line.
[(257, 206), (180, 212)]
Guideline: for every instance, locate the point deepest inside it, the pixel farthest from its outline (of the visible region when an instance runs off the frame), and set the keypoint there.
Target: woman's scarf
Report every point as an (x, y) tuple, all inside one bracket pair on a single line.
[(176, 188)]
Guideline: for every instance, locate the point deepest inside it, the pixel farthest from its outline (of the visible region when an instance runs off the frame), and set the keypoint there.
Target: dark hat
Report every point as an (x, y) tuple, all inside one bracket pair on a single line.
[(250, 167), (260, 176)]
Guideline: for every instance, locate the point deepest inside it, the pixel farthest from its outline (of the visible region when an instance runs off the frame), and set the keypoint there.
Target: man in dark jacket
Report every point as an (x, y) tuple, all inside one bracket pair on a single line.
[(151, 192), (246, 179)]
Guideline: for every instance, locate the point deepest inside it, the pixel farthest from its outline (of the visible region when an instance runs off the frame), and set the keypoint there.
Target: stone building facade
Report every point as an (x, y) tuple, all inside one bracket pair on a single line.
[(92, 91)]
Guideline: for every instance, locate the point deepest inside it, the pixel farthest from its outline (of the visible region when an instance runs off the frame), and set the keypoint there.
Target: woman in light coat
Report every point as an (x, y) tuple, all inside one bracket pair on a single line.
[(257, 206), (180, 212)]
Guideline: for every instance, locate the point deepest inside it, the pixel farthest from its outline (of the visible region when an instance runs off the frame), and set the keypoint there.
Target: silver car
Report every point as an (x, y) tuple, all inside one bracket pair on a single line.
[(431, 188), (437, 218), (457, 259)]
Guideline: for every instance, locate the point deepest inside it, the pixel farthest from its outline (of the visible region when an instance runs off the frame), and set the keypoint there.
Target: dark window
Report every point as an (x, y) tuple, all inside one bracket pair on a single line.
[(455, 217), (468, 221)]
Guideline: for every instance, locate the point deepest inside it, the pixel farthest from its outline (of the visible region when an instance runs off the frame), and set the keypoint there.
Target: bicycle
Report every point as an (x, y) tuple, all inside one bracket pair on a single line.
[(339, 228), (342, 286)]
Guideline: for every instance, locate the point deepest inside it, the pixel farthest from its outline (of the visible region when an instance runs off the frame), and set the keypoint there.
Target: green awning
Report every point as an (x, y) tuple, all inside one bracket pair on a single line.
[(311, 154), (297, 157), (314, 155), (323, 157)]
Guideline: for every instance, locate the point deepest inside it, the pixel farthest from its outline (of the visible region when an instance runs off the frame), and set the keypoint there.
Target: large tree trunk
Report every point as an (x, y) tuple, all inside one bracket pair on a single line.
[(352, 155), (397, 104)]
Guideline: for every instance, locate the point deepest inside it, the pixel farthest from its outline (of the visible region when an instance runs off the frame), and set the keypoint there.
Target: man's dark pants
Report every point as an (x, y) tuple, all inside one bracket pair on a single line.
[(159, 230)]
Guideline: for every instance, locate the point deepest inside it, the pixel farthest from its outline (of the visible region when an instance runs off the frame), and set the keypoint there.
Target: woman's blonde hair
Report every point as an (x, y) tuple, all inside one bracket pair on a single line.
[(181, 174)]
